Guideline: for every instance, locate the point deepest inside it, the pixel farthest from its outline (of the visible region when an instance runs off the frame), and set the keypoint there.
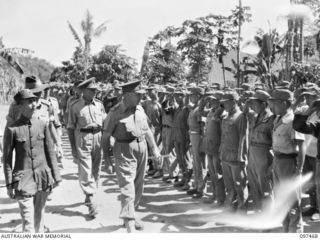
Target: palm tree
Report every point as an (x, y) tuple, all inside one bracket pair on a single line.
[(89, 32)]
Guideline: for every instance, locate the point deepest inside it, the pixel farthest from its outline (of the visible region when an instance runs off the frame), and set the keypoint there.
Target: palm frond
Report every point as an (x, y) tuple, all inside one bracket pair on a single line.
[(75, 34), (11, 61), (100, 29)]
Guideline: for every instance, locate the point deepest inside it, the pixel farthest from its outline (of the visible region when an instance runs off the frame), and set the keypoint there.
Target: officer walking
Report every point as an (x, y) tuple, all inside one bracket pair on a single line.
[(127, 123), (85, 125)]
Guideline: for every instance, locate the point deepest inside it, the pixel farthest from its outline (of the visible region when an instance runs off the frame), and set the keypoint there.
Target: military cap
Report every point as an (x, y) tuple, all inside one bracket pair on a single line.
[(261, 95), (34, 84), (312, 91), (282, 94), (230, 95), (219, 95), (197, 90), (179, 91), (24, 94), (247, 94), (170, 89), (245, 86), (76, 83), (283, 85), (132, 86), (89, 83)]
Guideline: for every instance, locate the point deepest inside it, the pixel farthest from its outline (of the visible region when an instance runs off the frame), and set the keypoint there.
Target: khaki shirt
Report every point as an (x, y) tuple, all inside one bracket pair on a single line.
[(180, 124), (83, 115), (260, 130), (284, 135), (153, 111), (194, 120), (233, 136), (123, 123)]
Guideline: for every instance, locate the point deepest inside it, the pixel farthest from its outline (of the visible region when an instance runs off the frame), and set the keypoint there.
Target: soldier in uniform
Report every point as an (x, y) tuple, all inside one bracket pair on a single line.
[(85, 124), (182, 140), (72, 100), (153, 111), (127, 123), (260, 142), (287, 145), (212, 144), (233, 151), (196, 129), (56, 123), (35, 171)]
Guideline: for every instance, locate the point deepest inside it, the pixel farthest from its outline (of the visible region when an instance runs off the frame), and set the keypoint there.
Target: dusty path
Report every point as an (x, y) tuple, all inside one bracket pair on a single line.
[(163, 209)]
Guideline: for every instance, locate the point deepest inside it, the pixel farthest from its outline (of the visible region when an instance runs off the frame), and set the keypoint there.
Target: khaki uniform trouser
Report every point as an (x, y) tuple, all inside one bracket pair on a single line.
[(234, 177), (259, 174), (130, 164), (183, 156), (283, 169), (89, 154), (170, 164), (32, 211), (199, 163), (215, 170)]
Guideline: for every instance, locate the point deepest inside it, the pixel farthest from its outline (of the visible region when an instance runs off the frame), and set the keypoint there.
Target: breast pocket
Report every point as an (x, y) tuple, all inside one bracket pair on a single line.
[(82, 121)]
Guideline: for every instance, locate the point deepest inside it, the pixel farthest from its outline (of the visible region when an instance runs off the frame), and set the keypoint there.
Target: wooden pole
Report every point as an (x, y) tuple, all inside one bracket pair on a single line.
[(238, 49)]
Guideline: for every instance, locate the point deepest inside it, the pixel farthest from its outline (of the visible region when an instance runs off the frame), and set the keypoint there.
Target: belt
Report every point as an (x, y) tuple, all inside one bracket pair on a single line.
[(91, 130), (285, 155), (140, 139), (166, 126), (255, 144)]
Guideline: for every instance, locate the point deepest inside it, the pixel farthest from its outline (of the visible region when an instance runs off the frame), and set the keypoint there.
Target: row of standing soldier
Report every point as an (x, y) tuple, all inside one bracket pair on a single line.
[(246, 141)]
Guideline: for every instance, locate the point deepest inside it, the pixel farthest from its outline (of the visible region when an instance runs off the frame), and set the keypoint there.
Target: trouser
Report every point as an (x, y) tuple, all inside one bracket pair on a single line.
[(234, 177), (32, 211), (199, 162), (183, 156), (170, 164), (312, 164), (157, 137), (284, 167), (130, 164), (215, 170), (259, 174), (89, 153)]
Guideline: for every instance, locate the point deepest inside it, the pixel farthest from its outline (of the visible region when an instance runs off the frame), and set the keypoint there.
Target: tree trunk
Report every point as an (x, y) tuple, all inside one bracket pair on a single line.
[(289, 50), (296, 41), (301, 41), (223, 72), (238, 48)]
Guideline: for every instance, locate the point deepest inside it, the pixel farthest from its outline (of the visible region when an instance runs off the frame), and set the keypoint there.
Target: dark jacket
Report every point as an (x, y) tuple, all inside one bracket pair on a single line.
[(35, 167), (302, 125)]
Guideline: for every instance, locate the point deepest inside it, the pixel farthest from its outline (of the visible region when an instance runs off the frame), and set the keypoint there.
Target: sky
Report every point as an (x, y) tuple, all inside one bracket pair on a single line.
[(41, 25)]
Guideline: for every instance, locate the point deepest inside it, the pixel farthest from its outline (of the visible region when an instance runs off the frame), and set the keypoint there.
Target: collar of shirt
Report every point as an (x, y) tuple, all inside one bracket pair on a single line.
[(288, 117)]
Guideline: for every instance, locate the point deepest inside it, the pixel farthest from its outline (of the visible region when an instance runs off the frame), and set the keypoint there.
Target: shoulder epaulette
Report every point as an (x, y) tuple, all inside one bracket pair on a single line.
[(45, 102)]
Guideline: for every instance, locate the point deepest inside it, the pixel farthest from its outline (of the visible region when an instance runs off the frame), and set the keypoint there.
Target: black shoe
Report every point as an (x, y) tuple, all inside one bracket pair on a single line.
[(173, 180), (192, 191), (179, 183), (197, 195)]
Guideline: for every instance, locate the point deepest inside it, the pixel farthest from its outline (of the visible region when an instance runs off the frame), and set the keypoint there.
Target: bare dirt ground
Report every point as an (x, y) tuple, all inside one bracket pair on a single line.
[(163, 208)]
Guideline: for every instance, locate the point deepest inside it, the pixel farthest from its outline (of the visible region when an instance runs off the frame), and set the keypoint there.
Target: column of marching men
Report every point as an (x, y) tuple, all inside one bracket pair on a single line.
[(233, 145)]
